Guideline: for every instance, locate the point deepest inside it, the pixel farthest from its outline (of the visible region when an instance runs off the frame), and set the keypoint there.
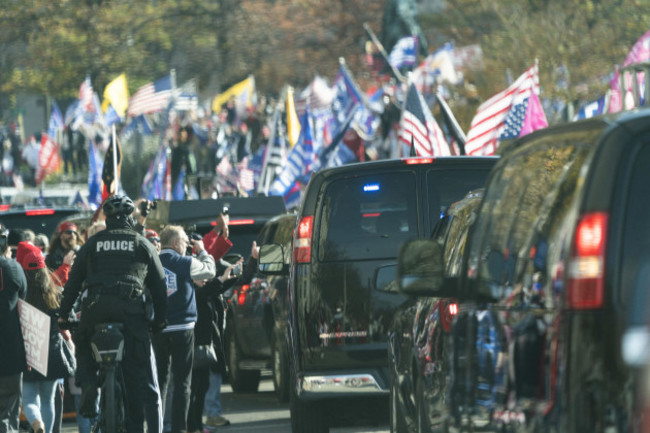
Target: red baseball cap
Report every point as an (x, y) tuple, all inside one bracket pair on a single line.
[(29, 256), (66, 225), (152, 235)]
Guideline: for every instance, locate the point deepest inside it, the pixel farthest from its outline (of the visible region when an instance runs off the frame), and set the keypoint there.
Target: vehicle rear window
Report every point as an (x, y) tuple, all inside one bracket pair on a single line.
[(635, 257), (367, 217)]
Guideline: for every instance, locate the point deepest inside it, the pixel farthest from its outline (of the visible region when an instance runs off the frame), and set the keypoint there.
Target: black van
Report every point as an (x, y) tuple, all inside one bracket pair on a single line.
[(351, 224), (556, 273)]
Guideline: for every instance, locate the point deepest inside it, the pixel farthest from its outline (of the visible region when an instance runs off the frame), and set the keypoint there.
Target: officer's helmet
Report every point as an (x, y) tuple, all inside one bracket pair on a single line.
[(118, 205)]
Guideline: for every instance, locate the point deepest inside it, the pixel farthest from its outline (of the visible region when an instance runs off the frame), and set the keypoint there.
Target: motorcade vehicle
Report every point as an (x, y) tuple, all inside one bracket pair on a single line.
[(257, 317), (247, 217), (39, 219), (352, 222), (419, 352), (554, 283)]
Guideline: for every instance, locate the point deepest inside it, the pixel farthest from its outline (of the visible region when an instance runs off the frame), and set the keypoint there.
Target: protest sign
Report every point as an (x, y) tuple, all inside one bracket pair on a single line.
[(36, 333)]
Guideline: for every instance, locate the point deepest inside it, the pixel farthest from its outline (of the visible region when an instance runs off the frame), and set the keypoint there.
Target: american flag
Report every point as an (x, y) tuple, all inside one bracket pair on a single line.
[(86, 96), (490, 120), (151, 97), (246, 176), (420, 128)]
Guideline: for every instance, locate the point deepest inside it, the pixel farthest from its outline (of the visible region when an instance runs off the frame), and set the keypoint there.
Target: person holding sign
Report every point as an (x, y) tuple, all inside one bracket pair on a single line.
[(13, 287), (45, 296)]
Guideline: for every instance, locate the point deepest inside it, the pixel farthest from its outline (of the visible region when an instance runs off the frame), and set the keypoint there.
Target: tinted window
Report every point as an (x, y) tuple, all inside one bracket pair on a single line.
[(448, 186), (523, 213), (635, 260), (367, 217)]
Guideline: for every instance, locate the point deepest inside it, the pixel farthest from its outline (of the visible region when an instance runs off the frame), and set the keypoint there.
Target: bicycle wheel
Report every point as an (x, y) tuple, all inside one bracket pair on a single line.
[(108, 417)]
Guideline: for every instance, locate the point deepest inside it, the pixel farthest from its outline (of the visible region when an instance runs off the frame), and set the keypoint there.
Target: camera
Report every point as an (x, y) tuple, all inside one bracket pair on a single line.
[(236, 270), (147, 206)]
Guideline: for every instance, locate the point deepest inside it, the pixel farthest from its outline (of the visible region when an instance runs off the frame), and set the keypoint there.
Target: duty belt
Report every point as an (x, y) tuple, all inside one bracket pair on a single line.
[(123, 290)]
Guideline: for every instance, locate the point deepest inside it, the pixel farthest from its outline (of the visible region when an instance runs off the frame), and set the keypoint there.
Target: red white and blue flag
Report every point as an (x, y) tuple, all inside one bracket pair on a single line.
[(86, 96), (506, 114), (419, 128), (151, 97)]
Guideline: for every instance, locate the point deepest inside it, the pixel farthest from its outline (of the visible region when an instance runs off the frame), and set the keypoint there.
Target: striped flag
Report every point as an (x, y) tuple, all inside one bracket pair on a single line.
[(185, 97), (151, 97), (490, 119), (86, 96), (418, 127), (246, 176)]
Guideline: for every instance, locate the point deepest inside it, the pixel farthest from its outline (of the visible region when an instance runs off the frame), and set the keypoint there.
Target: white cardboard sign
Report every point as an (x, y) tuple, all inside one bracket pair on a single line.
[(36, 333)]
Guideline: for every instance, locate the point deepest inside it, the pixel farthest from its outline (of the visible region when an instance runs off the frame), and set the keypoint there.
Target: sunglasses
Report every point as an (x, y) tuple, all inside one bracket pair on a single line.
[(70, 232)]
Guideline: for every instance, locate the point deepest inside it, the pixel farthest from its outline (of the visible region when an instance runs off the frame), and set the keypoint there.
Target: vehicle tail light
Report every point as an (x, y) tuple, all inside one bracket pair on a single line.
[(35, 212), (4, 207), (302, 243), (586, 267), (241, 296), (410, 161)]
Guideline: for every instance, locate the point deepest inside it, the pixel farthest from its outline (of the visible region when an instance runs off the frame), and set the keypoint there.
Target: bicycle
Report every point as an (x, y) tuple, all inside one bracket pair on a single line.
[(107, 345)]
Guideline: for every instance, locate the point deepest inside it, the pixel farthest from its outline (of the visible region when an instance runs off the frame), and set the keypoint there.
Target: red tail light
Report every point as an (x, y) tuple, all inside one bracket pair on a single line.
[(39, 212), (586, 268), (418, 160), (4, 207), (241, 296), (302, 244)]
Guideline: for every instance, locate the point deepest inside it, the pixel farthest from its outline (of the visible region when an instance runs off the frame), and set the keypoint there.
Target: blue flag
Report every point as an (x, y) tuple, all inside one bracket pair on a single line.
[(346, 100), (300, 162), (179, 189), (95, 167), (154, 180), (56, 121)]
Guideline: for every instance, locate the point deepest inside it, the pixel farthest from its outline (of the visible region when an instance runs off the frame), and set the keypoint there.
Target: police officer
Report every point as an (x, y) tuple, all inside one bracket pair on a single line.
[(117, 265)]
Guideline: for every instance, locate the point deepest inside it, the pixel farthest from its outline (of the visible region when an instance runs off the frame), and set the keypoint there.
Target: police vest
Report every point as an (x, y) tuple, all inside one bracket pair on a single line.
[(113, 259)]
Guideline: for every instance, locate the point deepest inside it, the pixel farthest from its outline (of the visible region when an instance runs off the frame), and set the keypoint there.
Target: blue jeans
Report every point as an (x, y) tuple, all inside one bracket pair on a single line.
[(10, 394), (212, 405), (38, 401)]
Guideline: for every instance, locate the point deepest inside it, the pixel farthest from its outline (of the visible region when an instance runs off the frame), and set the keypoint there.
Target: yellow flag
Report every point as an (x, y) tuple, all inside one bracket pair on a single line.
[(116, 94), (242, 91), (293, 125)]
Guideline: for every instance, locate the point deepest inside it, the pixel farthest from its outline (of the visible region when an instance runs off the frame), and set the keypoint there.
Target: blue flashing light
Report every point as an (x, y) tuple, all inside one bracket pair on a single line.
[(371, 187)]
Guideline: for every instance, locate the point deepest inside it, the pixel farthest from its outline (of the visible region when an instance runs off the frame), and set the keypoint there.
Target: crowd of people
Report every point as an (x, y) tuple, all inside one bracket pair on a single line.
[(19, 156), (167, 291)]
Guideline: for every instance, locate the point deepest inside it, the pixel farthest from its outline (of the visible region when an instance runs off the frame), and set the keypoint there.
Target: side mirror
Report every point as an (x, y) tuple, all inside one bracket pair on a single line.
[(385, 279), (271, 260), (421, 270)]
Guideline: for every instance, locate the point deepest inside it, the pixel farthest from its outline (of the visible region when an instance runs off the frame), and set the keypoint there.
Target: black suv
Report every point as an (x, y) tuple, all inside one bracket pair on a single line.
[(555, 277), (257, 317), (419, 352), (351, 224)]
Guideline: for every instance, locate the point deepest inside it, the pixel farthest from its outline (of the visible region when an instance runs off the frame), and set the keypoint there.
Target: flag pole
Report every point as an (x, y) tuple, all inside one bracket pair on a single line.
[(383, 52), (115, 171)]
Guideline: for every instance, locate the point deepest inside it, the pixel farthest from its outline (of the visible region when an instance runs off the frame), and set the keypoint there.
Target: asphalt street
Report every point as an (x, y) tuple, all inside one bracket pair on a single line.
[(260, 412)]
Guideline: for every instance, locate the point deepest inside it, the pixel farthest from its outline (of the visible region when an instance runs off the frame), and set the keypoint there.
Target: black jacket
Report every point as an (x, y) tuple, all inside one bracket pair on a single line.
[(13, 286)]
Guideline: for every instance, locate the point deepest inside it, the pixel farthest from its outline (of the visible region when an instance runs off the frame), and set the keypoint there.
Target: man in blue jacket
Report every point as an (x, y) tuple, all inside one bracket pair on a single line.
[(175, 345), (13, 286)]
